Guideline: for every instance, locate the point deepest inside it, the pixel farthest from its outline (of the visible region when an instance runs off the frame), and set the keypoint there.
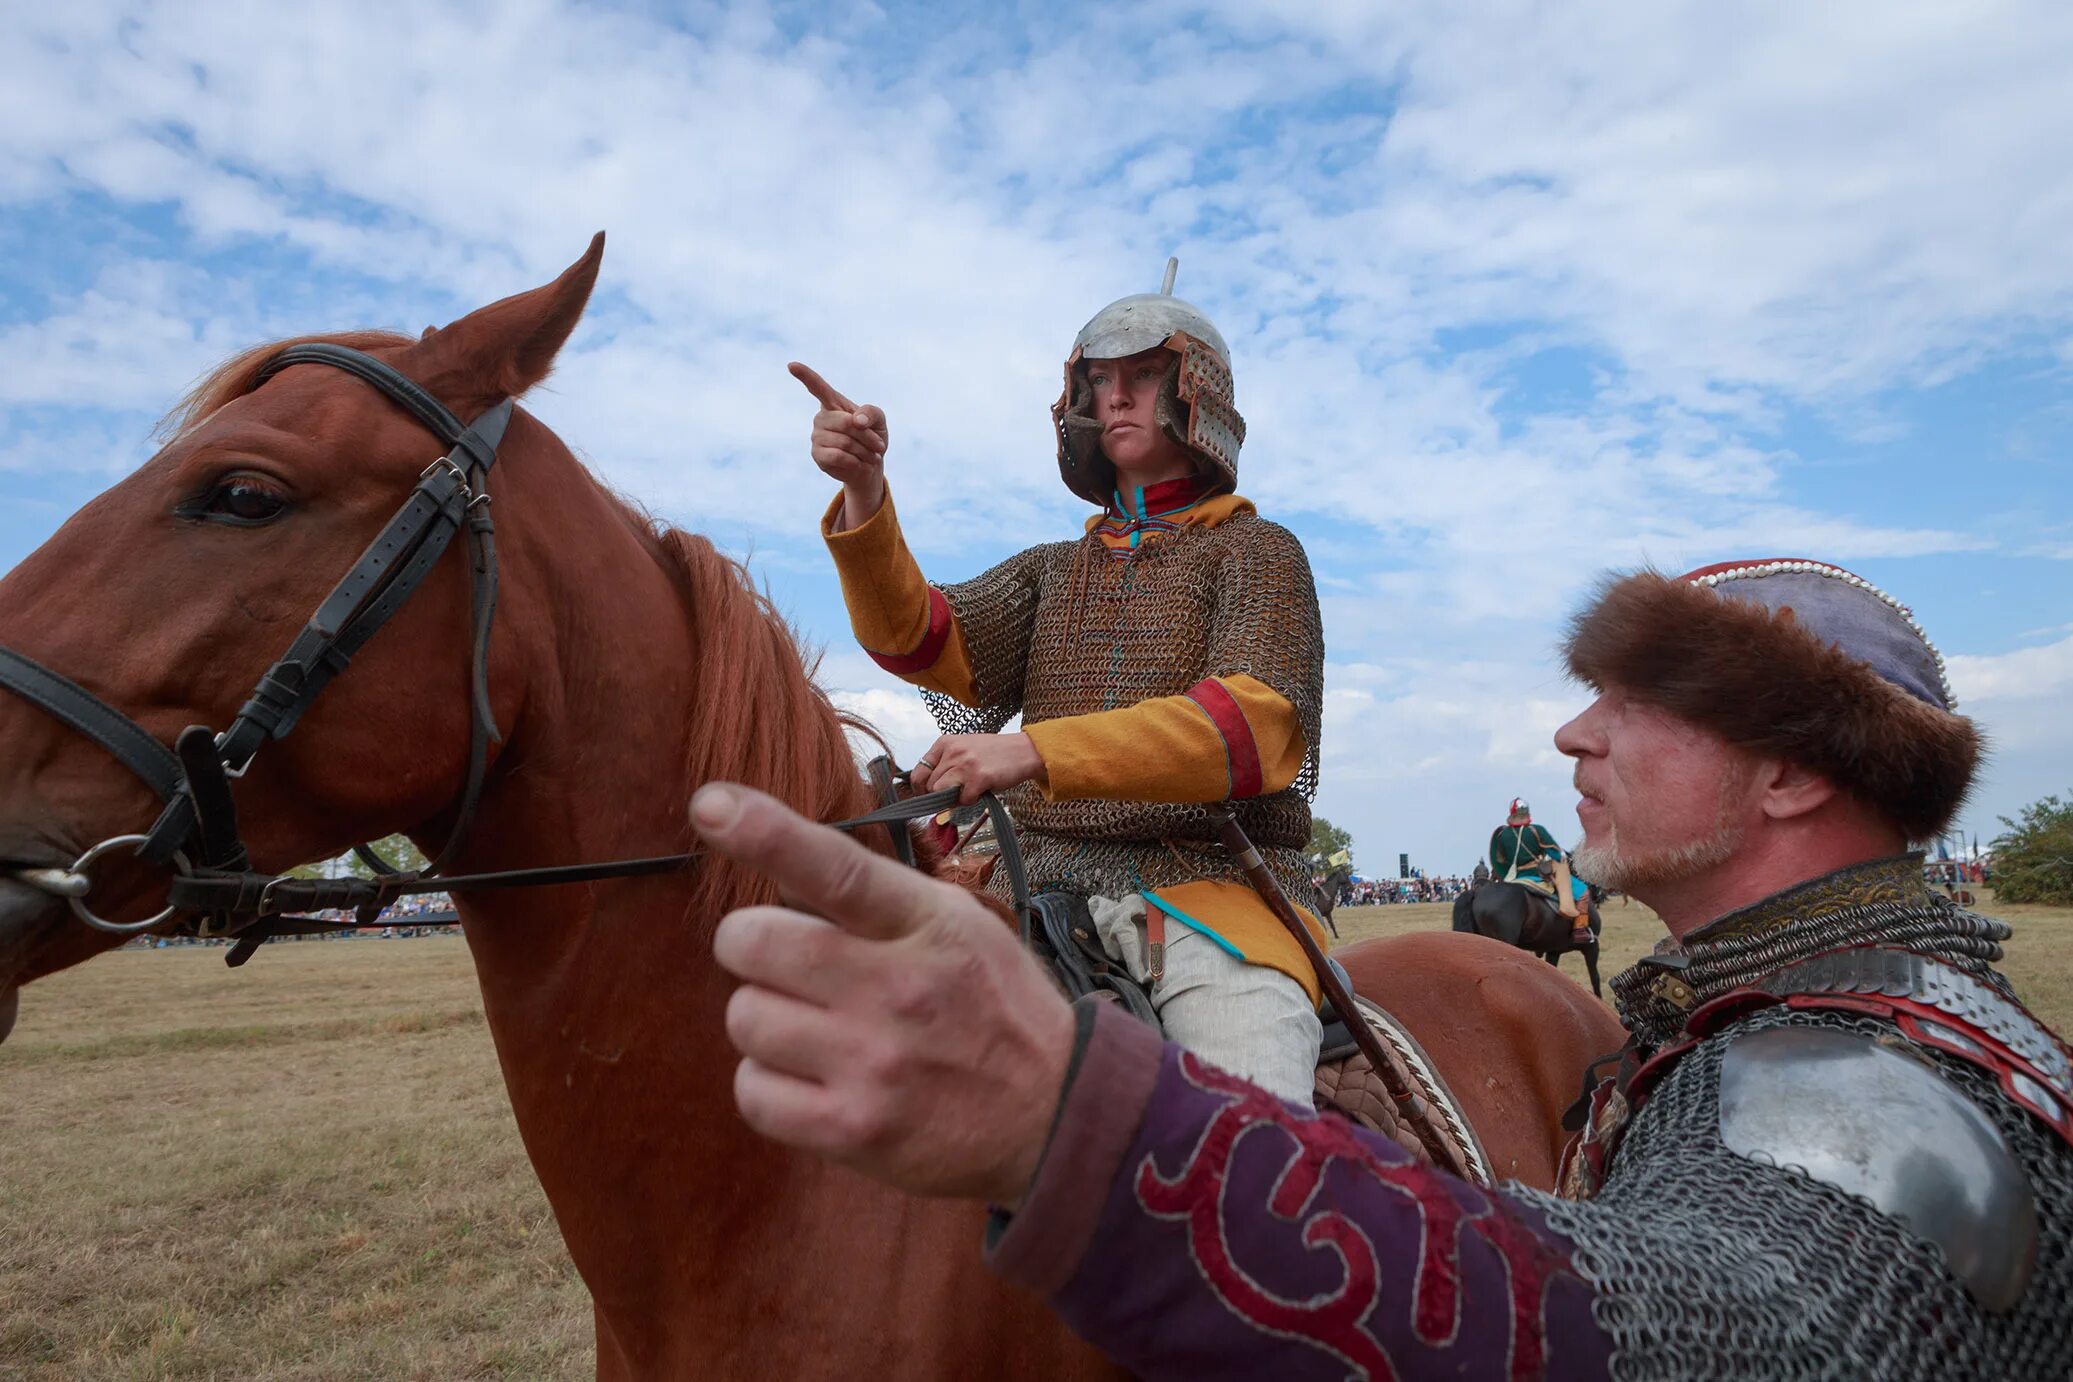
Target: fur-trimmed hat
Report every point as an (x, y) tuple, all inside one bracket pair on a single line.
[(1799, 659)]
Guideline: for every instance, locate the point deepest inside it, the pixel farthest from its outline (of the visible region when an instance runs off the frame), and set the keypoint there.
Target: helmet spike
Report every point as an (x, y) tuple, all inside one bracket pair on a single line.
[(1172, 271)]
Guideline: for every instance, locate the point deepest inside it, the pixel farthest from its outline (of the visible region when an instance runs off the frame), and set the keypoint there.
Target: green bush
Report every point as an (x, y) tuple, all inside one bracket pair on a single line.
[(2033, 861), (1327, 839)]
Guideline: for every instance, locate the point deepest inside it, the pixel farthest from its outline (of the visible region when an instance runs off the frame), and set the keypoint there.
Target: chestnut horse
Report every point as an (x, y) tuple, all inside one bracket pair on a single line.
[(630, 663)]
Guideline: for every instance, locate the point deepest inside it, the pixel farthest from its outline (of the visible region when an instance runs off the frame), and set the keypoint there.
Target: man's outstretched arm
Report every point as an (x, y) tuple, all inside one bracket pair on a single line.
[(1179, 1219)]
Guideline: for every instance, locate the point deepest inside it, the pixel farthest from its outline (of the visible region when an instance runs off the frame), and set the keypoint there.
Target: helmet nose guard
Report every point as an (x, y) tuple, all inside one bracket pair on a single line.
[(1197, 407)]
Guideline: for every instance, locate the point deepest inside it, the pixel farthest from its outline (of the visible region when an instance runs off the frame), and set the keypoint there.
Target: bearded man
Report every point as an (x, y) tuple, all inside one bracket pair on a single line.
[(1836, 1145), (1169, 656)]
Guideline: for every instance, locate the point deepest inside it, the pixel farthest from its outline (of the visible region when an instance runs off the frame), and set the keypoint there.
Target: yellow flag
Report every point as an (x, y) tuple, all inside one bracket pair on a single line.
[(1344, 856)]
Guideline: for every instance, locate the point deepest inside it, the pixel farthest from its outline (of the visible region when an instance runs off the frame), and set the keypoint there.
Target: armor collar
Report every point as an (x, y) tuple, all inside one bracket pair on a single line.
[(1881, 902)]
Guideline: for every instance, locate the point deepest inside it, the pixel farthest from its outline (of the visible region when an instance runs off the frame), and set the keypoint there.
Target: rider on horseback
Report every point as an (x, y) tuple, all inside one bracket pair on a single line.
[(1172, 655), (1524, 853)]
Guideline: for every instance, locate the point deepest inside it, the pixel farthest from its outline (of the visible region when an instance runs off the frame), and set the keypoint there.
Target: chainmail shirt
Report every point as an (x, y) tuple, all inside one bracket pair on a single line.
[(1709, 1264), (1070, 628)]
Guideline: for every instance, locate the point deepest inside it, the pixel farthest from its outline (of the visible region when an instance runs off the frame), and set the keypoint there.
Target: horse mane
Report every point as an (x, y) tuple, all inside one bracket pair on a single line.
[(239, 375), (756, 714)]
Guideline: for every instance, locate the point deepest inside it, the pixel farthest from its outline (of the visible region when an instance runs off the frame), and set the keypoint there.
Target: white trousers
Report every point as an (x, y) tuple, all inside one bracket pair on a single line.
[(1254, 1021)]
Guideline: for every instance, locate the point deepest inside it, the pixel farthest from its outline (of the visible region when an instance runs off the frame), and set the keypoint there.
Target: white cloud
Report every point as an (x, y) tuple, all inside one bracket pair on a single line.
[(2024, 674), (2019, 701), (142, 332), (1725, 216), (1806, 198)]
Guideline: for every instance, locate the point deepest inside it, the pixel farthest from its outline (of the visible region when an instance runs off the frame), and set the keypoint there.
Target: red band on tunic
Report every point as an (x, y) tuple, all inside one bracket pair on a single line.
[(932, 642), (1243, 754)]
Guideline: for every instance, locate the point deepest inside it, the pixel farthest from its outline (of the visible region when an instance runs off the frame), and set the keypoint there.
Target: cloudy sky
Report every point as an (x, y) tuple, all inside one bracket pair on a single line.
[(1516, 292)]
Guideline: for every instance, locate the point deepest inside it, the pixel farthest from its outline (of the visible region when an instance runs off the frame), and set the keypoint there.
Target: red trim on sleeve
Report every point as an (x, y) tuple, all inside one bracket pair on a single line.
[(1243, 754), (932, 642)]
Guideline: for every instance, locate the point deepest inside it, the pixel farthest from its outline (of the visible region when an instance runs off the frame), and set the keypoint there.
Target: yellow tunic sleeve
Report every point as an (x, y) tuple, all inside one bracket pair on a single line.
[(1225, 738), (902, 622)]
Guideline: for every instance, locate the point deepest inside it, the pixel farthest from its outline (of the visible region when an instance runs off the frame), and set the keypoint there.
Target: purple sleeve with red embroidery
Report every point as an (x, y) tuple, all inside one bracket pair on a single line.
[(1191, 1226)]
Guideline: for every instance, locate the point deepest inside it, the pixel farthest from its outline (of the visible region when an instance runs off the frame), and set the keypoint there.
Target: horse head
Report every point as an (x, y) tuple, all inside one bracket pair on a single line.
[(169, 594)]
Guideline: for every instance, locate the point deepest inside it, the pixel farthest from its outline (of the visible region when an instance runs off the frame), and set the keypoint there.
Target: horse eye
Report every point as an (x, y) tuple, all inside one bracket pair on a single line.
[(240, 500)]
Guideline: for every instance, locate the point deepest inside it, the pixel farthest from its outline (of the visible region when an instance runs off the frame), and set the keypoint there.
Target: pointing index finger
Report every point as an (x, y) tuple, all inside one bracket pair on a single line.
[(863, 893), (828, 395)]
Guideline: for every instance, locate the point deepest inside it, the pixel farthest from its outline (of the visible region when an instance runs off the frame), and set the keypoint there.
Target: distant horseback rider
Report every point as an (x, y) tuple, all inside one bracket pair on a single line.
[(1524, 853), (1170, 655), (1518, 847)]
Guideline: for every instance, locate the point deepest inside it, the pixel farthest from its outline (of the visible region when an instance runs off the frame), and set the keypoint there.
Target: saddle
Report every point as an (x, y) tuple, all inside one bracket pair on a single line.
[(1408, 1103), (1059, 931)]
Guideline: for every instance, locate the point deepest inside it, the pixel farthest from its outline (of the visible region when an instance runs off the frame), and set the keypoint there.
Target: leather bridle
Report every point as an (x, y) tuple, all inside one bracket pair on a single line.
[(214, 891)]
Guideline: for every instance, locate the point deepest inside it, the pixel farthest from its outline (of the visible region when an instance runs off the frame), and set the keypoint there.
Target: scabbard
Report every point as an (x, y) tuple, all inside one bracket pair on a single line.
[(1395, 1079)]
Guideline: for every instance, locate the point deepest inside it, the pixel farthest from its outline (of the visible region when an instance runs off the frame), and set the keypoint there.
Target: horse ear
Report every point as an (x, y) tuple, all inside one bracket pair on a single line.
[(500, 351)]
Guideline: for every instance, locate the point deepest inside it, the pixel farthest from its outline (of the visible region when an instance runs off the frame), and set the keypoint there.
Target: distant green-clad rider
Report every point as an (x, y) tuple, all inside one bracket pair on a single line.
[(1524, 853)]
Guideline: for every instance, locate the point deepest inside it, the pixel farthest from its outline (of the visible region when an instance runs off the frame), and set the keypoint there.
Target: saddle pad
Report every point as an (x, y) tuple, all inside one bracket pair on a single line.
[(1353, 1087)]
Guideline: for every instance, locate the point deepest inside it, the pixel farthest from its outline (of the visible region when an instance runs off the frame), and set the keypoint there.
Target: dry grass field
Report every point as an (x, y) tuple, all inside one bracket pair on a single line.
[(302, 1169), (307, 1169)]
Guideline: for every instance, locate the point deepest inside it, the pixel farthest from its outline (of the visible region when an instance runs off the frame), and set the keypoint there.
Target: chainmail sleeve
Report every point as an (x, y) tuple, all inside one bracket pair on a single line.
[(996, 612), (1266, 625), (1706, 1263)]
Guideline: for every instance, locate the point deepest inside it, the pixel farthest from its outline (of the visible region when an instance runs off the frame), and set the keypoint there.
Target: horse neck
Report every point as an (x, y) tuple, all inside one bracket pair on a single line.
[(649, 668)]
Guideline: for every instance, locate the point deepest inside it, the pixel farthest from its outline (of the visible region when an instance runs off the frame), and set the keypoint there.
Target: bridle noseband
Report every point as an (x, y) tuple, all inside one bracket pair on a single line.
[(196, 834)]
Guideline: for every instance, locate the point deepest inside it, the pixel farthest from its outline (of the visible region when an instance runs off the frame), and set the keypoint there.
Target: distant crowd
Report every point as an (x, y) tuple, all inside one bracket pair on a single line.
[(1380, 892), (429, 915)]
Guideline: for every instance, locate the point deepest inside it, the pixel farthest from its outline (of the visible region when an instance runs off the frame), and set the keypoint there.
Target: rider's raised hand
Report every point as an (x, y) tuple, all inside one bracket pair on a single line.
[(848, 444), (859, 1004)]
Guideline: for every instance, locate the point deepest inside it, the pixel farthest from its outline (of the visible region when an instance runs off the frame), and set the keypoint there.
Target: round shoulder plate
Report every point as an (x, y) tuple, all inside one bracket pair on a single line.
[(1850, 1110)]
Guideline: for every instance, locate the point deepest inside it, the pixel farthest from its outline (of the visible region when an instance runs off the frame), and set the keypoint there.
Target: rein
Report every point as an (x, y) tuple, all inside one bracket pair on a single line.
[(214, 891)]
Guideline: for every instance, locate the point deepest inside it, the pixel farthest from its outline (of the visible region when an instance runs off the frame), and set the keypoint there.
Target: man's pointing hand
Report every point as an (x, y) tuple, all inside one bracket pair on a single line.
[(886, 1020)]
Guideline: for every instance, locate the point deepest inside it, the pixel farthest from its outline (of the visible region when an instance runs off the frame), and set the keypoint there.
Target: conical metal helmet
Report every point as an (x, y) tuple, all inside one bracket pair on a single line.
[(1196, 406)]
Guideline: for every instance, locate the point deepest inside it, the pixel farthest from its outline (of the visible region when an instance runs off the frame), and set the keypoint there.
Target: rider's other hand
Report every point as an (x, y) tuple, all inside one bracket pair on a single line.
[(887, 1021), (848, 444), (978, 763)]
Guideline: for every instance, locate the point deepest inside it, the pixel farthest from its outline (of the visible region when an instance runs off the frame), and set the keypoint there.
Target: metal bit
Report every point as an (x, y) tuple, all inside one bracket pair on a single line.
[(57, 882)]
